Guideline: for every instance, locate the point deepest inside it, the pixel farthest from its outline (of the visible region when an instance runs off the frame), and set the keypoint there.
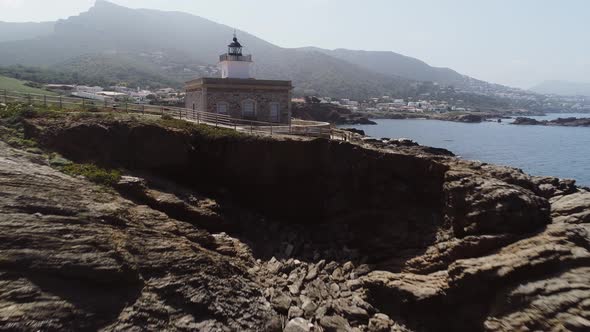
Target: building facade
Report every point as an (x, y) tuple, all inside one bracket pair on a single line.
[(237, 94)]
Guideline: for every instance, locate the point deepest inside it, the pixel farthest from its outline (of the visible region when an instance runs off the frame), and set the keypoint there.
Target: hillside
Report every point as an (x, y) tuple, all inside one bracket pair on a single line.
[(12, 84), (170, 47), (563, 88)]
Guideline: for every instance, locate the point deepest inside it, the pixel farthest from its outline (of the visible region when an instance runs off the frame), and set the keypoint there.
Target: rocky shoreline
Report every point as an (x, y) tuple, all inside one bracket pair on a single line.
[(214, 231), (565, 122)]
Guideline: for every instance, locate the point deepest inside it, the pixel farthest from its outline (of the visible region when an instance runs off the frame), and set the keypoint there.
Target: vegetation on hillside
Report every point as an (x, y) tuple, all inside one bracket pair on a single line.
[(94, 173), (100, 70)]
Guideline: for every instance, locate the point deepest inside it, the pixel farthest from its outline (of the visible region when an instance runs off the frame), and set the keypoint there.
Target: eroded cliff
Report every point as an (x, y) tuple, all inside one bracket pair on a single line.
[(210, 231)]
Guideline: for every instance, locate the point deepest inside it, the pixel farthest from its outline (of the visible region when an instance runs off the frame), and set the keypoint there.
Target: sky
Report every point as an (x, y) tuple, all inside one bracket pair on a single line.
[(518, 43)]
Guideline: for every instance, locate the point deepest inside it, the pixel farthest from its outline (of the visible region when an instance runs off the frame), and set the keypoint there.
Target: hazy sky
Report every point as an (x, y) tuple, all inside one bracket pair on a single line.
[(513, 42)]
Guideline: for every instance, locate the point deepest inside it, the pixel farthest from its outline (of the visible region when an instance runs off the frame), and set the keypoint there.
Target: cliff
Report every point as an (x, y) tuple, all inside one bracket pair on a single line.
[(212, 230)]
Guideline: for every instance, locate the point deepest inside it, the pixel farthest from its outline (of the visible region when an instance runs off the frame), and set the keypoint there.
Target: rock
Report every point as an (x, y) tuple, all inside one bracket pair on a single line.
[(479, 205), (380, 323), (359, 302), (503, 271), (335, 324), (295, 312), (350, 310), (95, 260), (354, 284), (568, 122), (525, 121), (347, 267), (330, 267), (453, 244), (295, 287), (573, 209), (282, 302), (298, 325), (550, 187), (545, 298), (132, 185), (317, 290), (337, 274), (471, 118), (362, 270), (312, 273), (309, 308), (322, 311), (334, 289), (273, 266), (356, 131)]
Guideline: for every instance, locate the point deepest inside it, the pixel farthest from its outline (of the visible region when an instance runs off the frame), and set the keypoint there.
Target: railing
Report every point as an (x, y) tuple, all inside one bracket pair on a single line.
[(229, 57), (295, 127)]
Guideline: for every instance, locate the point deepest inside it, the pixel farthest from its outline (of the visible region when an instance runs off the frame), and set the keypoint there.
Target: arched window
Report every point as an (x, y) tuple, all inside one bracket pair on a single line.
[(248, 109), (222, 108), (275, 112)]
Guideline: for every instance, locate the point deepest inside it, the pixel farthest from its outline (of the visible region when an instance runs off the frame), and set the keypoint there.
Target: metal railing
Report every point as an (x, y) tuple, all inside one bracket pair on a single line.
[(229, 57), (295, 127)]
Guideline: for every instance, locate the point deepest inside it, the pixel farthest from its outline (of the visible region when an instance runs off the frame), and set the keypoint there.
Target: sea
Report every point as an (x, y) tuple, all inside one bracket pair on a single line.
[(562, 152)]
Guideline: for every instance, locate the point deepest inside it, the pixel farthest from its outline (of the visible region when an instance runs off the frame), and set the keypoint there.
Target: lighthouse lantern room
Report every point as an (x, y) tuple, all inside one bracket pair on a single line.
[(234, 64)]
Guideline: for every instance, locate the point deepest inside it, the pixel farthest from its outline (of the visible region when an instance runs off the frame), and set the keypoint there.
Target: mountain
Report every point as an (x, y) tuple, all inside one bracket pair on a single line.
[(172, 47), (20, 31), (563, 88), (396, 64)]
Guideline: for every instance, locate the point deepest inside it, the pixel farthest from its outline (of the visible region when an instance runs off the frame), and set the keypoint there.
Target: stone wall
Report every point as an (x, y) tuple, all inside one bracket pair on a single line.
[(193, 99), (262, 99)]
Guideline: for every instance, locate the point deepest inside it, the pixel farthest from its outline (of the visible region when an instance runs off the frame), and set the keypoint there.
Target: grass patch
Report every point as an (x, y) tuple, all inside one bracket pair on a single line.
[(13, 84), (96, 174), (11, 123)]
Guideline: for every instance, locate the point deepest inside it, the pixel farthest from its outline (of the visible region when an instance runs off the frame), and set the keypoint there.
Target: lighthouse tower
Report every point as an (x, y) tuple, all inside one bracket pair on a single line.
[(234, 64)]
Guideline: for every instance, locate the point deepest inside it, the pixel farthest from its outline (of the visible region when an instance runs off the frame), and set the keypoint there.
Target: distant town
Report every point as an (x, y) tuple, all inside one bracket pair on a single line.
[(164, 96), (382, 104)]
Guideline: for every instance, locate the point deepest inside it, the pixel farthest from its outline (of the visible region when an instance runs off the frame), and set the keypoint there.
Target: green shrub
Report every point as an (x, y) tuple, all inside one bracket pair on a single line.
[(57, 161), (93, 173)]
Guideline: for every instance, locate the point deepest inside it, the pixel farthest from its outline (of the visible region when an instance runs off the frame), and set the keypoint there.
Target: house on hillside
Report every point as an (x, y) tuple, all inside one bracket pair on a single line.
[(238, 94)]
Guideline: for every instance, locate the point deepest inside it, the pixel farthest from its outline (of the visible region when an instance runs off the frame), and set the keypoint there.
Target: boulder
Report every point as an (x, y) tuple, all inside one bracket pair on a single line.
[(380, 323), (335, 324), (282, 302), (574, 208), (298, 325), (476, 205), (295, 312)]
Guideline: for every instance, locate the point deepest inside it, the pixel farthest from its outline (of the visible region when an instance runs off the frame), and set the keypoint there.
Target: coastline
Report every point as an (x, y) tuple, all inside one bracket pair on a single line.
[(539, 150)]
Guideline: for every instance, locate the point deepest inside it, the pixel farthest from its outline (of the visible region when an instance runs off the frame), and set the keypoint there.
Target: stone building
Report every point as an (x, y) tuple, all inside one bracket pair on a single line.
[(239, 95)]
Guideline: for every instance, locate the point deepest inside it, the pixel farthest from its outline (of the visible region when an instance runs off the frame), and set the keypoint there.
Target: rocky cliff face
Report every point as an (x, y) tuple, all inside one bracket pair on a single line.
[(222, 232)]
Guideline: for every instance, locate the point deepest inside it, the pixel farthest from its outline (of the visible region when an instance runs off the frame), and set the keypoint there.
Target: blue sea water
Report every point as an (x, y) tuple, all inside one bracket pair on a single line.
[(539, 150)]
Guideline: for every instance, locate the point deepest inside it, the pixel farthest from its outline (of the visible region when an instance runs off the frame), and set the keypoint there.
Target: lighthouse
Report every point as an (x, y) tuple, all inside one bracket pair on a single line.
[(237, 94), (234, 64)]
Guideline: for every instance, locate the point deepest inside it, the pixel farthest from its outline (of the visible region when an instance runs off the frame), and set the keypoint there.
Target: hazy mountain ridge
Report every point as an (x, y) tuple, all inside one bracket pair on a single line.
[(392, 63), (564, 88), (178, 43), (10, 31)]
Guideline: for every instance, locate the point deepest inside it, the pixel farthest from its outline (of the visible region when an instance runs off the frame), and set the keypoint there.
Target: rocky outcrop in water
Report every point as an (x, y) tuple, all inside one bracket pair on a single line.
[(209, 231), (329, 113), (565, 122)]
